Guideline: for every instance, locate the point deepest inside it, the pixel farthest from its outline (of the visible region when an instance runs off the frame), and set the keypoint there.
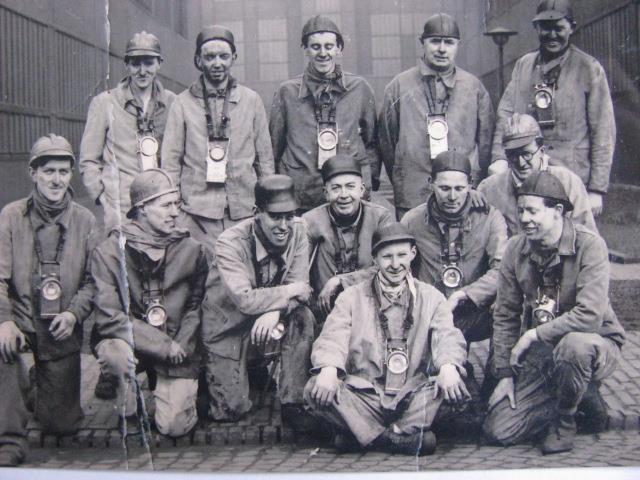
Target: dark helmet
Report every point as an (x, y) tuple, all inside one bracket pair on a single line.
[(320, 23)]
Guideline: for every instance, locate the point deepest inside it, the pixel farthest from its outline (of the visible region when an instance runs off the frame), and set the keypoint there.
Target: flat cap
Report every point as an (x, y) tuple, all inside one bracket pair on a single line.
[(546, 185), (150, 184), (390, 233), (519, 131), (441, 25), (553, 10), (318, 24), (451, 161), (275, 194), (215, 32), (51, 145), (143, 44), (338, 165)]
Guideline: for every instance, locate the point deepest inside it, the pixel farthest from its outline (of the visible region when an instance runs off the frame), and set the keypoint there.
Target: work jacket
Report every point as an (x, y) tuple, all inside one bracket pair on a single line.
[(185, 151), (584, 135), (583, 293), (120, 309), (294, 134), (404, 142), (324, 245), (19, 274)]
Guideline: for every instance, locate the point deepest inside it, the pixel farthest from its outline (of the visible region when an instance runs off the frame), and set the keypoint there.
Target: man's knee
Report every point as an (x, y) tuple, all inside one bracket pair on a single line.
[(175, 405), (575, 348), (301, 324), (503, 425), (114, 356)]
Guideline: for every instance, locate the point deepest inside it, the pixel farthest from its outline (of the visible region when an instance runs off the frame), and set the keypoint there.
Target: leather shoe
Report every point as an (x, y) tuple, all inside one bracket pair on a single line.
[(560, 435)]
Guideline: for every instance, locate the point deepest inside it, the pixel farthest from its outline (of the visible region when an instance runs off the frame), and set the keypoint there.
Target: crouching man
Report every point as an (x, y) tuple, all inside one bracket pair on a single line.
[(148, 296), (554, 277), (258, 290), (379, 344), (45, 295)]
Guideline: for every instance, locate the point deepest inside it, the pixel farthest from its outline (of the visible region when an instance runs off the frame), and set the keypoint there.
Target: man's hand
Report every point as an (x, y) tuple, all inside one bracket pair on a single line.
[(326, 387), (324, 299), (505, 388), (455, 298), (595, 200), (263, 326), (12, 341), (451, 384), (301, 291), (520, 348), (477, 200), (177, 354), (498, 166), (62, 326)]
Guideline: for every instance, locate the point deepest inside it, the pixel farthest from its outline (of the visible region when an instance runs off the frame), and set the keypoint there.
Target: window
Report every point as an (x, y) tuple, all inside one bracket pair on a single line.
[(386, 51), (273, 54)]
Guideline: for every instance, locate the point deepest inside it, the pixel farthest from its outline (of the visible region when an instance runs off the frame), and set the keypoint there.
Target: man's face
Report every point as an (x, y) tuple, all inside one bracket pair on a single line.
[(440, 52), (526, 160), (159, 215), (322, 49), (276, 226), (52, 179), (554, 35), (143, 70), (536, 219), (451, 189), (344, 193), (215, 60), (394, 261)]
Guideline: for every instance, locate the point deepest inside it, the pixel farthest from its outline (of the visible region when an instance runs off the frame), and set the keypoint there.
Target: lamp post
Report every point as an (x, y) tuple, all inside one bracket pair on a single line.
[(500, 37)]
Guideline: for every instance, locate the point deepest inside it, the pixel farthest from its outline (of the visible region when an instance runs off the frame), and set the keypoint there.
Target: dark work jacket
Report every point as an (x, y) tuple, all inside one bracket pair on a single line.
[(186, 268)]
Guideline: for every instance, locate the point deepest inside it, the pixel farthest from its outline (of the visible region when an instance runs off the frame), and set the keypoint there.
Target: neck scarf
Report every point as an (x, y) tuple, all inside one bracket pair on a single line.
[(48, 210), (391, 292), (445, 217), (319, 84), (151, 244)]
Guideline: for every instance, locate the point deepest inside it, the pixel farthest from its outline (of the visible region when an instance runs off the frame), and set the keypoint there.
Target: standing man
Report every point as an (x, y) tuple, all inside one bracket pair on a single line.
[(433, 107), (148, 296), (45, 295), (124, 130), (553, 286), (460, 246), (258, 292), (217, 141), (372, 361), (566, 90), (320, 113), (340, 231), (526, 153)]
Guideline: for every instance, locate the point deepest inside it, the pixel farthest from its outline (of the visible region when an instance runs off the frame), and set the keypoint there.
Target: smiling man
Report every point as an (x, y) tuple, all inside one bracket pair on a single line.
[(378, 347), (45, 295), (320, 113), (147, 305), (124, 130), (257, 311), (433, 107), (340, 232), (566, 90), (216, 142), (553, 286)]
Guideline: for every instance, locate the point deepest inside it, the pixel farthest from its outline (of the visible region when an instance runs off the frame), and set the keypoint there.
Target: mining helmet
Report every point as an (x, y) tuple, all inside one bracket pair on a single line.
[(546, 185), (519, 131), (320, 23), (215, 32), (440, 25), (143, 44), (275, 194), (339, 165), (451, 161), (150, 184), (51, 145), (390, 233), (553, 10)]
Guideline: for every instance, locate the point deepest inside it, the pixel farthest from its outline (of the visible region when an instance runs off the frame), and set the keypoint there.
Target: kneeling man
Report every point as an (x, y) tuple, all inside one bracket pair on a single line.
[(553, 286), (372, 361), (147, 304)]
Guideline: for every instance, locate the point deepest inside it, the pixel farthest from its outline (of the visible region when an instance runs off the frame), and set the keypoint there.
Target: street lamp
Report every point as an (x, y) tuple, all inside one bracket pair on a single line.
[(500, 37)]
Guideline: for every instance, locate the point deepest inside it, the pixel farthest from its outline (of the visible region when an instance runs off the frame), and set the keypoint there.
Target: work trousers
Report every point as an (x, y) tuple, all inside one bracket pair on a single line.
[(552, 382), (57, 398), (361, 413), (175, 398), (206, 230), (228, 379), (474, 323)]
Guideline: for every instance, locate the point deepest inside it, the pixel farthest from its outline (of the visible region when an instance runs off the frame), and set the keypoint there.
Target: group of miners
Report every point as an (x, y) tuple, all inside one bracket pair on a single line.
[(217, 276)]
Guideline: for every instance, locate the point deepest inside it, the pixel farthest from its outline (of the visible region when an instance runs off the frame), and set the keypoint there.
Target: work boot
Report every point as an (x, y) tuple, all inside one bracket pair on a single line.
[(106, 387), (560, 435), (346, 443), (592, 413), (298, 419), (428, 445), (11, 456)]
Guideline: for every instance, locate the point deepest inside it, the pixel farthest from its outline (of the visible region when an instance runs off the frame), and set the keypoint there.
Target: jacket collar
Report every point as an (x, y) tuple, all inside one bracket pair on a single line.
[(560, 61), (566, 245), (467, 218), (196, 90), (304, 91), (448, 78), (126, 97)]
